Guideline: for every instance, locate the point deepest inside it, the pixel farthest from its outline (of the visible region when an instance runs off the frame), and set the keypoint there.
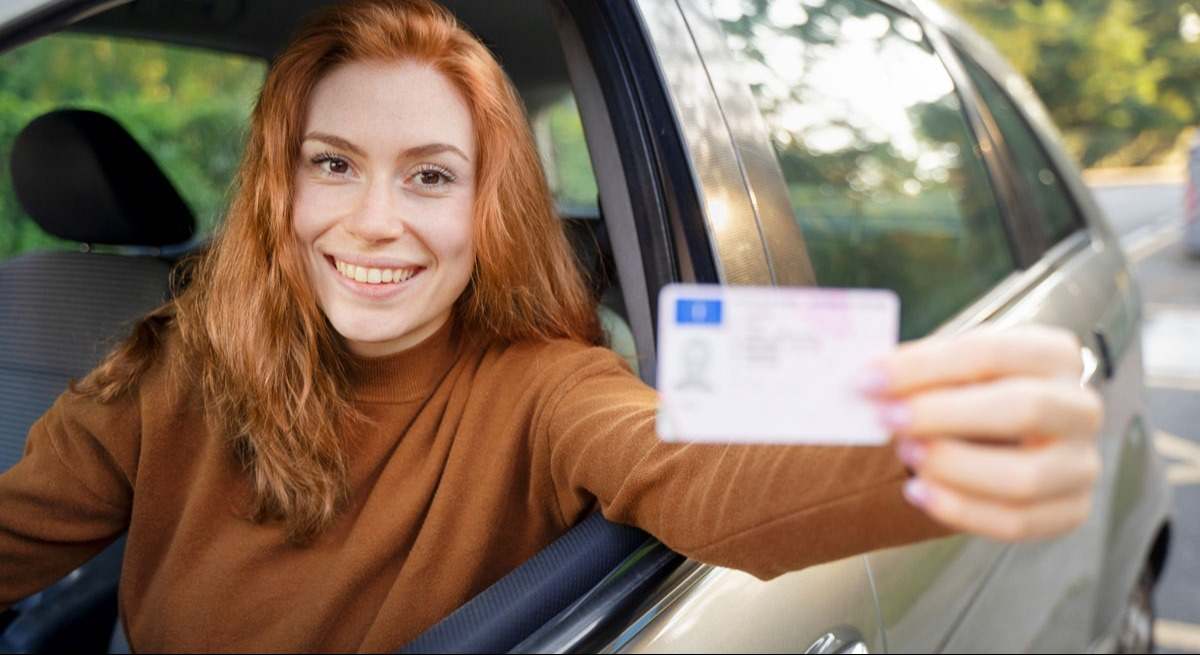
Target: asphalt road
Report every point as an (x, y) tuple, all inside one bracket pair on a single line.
[(1149, 218)]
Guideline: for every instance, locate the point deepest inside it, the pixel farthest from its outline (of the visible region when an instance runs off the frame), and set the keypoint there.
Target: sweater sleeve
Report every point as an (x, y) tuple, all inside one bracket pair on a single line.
[(763, 509), (69, 496)]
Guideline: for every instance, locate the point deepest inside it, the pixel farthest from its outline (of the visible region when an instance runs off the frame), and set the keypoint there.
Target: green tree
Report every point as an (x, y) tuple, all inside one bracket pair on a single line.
[(1118, 76)]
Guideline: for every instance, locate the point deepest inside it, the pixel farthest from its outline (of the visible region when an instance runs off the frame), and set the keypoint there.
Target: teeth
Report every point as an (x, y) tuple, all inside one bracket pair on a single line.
[(374, 275)]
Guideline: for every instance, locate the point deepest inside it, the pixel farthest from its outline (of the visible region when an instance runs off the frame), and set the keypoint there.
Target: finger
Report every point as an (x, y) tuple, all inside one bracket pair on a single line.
[(975, 356), (1006, 474), (995, 519), (1007, 409)]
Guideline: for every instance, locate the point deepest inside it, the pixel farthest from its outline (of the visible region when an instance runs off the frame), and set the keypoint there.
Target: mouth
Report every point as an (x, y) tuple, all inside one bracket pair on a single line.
[(373, 276)]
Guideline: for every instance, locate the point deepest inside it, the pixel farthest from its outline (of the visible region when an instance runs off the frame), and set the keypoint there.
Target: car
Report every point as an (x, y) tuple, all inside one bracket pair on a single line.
[(835, 143)]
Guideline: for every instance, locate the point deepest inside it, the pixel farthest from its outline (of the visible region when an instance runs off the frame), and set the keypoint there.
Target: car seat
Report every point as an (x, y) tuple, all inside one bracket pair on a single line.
[(83, 178)]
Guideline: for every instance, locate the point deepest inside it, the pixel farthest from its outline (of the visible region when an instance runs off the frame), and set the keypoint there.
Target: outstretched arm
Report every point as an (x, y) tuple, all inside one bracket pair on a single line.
[(773, 509)]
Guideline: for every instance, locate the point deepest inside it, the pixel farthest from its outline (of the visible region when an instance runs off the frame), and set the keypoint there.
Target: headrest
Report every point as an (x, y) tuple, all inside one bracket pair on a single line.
[(82, 177)]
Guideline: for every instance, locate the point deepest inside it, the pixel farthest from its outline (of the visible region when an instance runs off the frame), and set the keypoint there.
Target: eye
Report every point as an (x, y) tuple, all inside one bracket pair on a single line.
[(331, 164), (432, 176)]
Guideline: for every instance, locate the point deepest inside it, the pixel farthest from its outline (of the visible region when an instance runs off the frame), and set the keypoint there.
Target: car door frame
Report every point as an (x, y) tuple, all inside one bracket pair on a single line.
[(1137, 508), (1036, 259)]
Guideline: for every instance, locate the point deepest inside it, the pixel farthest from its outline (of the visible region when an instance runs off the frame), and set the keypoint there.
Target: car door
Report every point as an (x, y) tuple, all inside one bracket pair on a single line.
[(876, 130), (897, 177), (1100, 563)]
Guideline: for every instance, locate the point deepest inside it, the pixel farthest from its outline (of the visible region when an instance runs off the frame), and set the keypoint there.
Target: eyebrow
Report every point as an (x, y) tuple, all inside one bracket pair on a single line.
[(425, 150)]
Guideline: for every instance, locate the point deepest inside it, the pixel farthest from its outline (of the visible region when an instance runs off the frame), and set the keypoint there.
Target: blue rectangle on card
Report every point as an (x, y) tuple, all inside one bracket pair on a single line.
[(697, 312)]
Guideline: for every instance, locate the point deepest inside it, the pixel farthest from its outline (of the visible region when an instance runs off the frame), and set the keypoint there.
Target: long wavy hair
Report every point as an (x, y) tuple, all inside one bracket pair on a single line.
[(272, 370)]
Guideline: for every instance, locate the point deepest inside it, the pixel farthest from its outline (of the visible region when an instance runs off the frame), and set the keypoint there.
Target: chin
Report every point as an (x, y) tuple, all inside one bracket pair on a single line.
[(367, 331)]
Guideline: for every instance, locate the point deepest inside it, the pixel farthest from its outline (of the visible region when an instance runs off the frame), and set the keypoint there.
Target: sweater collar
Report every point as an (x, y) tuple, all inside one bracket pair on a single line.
[(408, 375)]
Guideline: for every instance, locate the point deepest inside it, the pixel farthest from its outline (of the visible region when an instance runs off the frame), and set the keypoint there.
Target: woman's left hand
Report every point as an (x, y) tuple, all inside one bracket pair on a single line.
[(998, 429)]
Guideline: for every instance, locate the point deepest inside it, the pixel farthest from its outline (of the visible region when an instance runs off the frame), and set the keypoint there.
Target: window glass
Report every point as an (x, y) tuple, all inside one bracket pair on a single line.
[(884, 176), (188, 108), (558, 131), (1058, 215)]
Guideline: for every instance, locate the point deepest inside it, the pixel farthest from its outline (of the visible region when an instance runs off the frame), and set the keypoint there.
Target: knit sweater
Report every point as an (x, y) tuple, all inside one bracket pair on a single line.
[(477, 455)]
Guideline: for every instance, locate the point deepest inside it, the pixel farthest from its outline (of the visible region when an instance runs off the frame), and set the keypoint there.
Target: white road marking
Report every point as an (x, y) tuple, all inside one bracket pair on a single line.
[(1170, 347), (1150, 239), (1167, 382), (1183, 458), (1177, 635)]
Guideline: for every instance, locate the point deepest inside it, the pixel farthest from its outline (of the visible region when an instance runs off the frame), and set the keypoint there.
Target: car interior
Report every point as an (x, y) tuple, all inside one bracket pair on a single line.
[(61, 311)]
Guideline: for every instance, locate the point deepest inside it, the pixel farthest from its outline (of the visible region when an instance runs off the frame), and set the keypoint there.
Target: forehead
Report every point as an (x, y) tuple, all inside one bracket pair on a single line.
[(392, 104)]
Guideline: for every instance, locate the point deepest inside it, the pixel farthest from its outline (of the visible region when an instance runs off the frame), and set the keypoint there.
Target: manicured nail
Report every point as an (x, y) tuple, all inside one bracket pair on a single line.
[(871, 382), (917, 493), (896, 416), (912, 453)]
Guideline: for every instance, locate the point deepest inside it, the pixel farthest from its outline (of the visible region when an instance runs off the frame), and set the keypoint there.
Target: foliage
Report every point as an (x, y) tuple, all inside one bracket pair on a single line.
[(1118, 76), (880, 165), (188, 108)]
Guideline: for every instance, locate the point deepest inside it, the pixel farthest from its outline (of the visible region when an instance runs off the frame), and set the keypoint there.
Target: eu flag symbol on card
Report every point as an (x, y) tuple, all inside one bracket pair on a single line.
[(696, 311)]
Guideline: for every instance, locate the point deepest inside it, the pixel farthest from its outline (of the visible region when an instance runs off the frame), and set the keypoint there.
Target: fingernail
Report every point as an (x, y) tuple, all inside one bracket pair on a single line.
[(871, 382), (917, 493), (896, 416), (912, 453)]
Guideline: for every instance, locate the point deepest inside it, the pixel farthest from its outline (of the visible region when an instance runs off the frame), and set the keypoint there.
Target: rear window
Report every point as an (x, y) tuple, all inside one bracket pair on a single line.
[(187, 107)]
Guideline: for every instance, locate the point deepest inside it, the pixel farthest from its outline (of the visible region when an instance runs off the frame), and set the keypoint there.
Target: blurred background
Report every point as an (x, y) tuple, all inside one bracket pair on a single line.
[(1121, 77)]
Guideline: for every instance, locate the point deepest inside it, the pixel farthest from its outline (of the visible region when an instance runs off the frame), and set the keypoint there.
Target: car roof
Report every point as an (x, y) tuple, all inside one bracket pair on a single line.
[(519, 33)]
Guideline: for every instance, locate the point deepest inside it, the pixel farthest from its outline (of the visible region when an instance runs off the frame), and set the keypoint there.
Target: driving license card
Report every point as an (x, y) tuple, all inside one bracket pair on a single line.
[(769, 364)]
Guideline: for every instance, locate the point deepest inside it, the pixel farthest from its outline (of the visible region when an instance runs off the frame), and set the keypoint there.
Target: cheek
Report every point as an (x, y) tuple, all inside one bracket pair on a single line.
[(316, 208), (456, 239)]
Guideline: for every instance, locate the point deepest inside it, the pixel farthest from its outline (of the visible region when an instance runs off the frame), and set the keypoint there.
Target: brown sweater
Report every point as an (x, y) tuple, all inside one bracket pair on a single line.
[(479, 456)]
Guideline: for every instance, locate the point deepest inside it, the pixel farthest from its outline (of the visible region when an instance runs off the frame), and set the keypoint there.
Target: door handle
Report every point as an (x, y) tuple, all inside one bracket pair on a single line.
[(1104, 353), (842, 640)]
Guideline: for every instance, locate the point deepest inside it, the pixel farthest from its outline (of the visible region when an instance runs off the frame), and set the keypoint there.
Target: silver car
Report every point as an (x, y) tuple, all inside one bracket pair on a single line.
[(841, 143)]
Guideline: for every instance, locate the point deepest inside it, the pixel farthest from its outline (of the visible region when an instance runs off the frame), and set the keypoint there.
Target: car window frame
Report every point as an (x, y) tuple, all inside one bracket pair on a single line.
[(961, 38), (1021, 236), (1037, 216), (1024, 237)]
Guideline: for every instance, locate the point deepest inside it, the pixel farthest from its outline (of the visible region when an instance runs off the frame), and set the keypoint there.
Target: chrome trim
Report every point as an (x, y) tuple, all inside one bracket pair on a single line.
[(728, 210), (842, 639), (787, 255), (609, 606), (1017, 285), (688, 575)]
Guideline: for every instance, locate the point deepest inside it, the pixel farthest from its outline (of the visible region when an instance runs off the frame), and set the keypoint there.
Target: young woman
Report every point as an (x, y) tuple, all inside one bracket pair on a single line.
[(382, 390)]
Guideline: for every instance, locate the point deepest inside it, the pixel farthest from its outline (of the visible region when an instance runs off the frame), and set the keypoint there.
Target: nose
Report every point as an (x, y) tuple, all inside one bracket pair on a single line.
[(378, 216)]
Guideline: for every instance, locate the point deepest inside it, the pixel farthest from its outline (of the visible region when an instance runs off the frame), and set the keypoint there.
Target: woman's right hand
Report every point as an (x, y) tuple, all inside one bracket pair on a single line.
[(998, 429)]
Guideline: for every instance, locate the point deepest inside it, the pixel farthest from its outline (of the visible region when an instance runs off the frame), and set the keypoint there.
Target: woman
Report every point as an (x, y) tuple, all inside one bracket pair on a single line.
[(382, 390)]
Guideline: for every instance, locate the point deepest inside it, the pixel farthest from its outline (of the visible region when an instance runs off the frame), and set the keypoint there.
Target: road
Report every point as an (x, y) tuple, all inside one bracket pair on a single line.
[(1149, 217)]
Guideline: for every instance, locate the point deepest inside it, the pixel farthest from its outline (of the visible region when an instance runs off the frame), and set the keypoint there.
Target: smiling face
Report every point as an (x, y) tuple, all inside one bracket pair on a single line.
[(384, 198)]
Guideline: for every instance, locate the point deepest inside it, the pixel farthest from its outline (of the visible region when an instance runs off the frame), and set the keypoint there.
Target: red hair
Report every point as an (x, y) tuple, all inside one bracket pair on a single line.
[(271, 368)]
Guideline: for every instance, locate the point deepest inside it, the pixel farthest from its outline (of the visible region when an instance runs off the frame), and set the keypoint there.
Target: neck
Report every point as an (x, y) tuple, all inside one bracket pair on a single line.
[(371, 349)]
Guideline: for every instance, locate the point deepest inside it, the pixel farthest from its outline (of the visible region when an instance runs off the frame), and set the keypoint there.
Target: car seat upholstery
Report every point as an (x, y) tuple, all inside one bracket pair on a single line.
[(81, 177)]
